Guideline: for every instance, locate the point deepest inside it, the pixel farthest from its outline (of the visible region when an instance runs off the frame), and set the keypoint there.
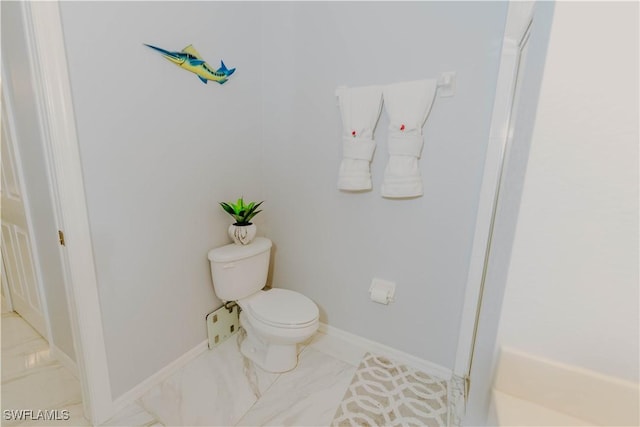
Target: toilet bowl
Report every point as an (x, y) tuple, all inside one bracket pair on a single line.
[(275, 320)]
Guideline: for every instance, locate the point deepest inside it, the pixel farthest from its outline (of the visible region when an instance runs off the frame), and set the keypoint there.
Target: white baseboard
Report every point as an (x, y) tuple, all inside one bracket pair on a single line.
[(390, 352), (64, 360), (138, 391), (580, 393)]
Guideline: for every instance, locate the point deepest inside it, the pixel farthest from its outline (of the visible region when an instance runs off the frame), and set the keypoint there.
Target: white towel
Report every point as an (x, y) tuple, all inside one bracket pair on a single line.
[(360, 108), (408, 105)]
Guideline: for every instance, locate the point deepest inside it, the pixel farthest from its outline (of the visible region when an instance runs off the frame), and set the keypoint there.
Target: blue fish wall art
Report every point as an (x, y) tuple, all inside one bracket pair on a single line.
[(190, 60)]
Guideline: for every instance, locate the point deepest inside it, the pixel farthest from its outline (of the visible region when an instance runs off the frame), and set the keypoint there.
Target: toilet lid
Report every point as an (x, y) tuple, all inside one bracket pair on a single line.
[(282, 307)]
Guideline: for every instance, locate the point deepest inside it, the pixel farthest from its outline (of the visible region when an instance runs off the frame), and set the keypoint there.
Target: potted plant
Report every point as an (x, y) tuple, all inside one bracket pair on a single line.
[(243, 231)]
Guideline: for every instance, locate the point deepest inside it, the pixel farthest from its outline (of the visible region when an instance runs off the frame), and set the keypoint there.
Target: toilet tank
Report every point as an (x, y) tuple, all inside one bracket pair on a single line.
[(240, 270)]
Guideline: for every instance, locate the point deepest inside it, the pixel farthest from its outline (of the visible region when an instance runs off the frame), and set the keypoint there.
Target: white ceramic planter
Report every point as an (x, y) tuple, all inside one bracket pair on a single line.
[(242, 234)]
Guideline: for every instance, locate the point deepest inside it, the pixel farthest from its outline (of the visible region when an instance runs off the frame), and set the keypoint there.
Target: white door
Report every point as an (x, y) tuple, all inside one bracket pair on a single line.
[(17, 255)]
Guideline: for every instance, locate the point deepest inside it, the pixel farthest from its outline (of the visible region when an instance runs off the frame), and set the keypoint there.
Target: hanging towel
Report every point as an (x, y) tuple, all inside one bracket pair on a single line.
[(408, 105), (360, 108)]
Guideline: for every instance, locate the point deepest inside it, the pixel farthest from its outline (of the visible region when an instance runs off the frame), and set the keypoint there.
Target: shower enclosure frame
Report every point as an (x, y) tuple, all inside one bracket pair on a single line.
[(517, 29), (527, 35)]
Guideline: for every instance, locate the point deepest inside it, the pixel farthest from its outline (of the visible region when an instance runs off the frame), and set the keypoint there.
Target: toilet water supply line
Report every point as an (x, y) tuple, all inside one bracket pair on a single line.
[(230, 304)]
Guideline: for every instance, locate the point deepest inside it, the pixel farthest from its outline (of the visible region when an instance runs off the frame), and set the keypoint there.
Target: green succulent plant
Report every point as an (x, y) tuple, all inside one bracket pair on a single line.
[(240, 212)]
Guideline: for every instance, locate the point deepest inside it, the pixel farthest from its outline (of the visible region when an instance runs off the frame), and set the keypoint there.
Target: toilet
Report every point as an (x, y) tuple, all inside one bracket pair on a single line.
[(275, 320)]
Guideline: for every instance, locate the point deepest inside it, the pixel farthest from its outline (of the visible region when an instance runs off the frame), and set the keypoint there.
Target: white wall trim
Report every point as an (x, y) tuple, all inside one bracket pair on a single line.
[(64, 359), (6, 294), (138, 391), (518, 20), (568, 389), (43, 118), (84, 303), (390, 352)]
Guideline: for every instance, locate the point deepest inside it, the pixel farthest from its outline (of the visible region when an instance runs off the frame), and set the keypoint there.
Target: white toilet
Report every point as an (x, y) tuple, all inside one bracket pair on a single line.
[(275, 320)]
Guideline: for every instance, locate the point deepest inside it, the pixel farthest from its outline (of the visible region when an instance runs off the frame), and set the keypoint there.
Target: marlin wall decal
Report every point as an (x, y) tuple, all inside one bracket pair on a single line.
[(190, 60)]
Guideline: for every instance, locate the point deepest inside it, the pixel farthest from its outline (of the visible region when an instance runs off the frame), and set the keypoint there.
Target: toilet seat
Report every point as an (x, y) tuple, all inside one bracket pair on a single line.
[(281, 308)]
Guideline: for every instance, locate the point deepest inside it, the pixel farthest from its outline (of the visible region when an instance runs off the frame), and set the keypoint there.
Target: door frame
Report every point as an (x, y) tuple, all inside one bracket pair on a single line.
[(519, 20), (44, 29), (6, 293), (8, 123)]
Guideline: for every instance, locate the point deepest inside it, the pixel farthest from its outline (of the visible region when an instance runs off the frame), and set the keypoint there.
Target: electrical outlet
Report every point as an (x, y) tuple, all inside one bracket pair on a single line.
[(221, 324)]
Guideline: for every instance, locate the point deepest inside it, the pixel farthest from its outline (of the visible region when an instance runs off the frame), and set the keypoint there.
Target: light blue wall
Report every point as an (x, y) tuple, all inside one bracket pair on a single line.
[(160, 149), (330, 244)]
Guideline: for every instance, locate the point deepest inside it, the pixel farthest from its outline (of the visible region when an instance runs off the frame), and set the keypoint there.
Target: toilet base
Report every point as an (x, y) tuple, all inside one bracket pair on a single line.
[(272, 357)]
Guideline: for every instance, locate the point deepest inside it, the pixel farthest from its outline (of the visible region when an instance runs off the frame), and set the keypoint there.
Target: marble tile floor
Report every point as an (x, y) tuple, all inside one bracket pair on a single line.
[(32, 379), (218, 388), (222, 388)]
